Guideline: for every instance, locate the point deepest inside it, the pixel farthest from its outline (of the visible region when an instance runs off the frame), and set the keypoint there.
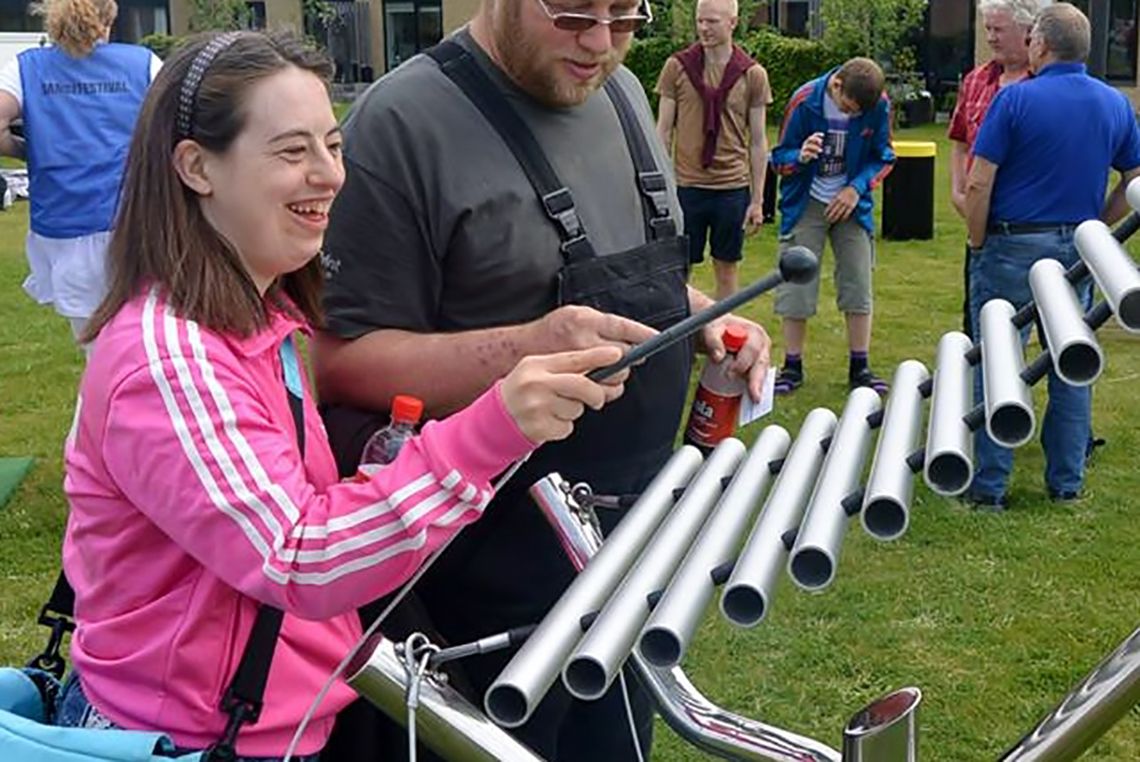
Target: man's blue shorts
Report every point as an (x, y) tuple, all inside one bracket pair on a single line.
[(715, 217)]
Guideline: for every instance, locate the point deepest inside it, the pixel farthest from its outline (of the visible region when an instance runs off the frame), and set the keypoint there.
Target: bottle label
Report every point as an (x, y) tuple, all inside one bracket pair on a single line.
[(712, 418)]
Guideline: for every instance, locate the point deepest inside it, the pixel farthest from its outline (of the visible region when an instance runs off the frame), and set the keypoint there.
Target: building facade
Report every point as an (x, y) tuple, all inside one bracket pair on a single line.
[(369, 37)]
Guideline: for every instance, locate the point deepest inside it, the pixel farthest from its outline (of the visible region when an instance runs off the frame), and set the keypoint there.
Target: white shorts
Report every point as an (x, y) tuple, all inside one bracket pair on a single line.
[(68, 273)]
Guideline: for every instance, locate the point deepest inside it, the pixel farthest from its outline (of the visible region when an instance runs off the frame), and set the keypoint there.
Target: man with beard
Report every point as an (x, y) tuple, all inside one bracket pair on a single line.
[(506, 196), (712, 118)]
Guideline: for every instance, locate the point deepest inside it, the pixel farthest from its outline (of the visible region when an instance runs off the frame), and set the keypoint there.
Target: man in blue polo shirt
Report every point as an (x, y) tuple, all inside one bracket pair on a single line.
[(1041, 164)]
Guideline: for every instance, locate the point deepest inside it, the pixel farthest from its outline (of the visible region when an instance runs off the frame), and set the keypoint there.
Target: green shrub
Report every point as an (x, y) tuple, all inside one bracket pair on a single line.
[(646, 58), (160, 44), (790, 61)]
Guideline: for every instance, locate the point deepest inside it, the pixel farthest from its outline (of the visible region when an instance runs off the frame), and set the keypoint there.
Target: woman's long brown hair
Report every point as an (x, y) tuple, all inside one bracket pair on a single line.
[(161, 236)]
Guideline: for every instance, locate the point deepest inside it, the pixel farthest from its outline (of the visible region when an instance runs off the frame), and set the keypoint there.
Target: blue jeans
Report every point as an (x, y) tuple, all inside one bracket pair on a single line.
[(1000, 269), (75, 711)]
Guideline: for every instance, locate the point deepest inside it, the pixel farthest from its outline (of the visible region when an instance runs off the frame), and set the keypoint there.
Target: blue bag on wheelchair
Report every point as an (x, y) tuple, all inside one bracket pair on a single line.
[(29, 698), (26, 707)]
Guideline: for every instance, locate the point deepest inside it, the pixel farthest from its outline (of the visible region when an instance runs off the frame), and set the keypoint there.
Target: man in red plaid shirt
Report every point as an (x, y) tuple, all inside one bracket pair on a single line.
[(1007, 24)]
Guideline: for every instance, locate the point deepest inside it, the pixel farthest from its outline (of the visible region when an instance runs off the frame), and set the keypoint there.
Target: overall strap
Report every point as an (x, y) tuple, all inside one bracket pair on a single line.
[(58, 614), (558, 203), (651, 183)]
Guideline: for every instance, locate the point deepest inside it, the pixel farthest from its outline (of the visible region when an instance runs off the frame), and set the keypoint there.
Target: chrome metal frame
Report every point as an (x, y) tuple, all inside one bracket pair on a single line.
[(886, 729)]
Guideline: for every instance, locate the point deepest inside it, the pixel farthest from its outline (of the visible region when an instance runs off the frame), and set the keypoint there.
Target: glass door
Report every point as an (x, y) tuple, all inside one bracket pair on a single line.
[(409, 27)]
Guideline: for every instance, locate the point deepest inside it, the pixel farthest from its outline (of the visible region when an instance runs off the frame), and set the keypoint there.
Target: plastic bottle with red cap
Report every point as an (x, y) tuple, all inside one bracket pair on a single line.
[(716, 404), (383, 446)]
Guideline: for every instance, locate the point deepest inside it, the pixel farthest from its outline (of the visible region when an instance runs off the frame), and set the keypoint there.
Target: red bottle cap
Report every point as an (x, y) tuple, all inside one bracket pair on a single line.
[(735, 337), (407, 409)]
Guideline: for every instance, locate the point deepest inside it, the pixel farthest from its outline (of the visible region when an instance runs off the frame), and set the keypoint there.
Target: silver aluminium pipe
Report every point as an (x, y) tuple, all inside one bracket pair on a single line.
[(525, 680), (1091, 708), (949, 467), (886, 501), (1132, 193), (1112, 269), (751, 587), (670, 628), (692, 716), (595, 661), (814, 557), (445, 721), (1077, 358), (1009, 403), (886, 730), (702, 723)]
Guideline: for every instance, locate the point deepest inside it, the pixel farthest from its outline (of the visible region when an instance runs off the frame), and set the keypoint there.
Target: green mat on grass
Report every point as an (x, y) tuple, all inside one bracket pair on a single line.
[(12, 472)]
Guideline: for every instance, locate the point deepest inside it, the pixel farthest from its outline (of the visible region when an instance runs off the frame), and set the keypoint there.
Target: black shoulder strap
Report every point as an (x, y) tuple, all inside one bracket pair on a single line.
[(58, 614), (558, 203), (242, 700), (651, 183)]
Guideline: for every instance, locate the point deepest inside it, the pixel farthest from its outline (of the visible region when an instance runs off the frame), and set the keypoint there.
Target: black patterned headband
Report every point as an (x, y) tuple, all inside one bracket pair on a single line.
[(193, 79)]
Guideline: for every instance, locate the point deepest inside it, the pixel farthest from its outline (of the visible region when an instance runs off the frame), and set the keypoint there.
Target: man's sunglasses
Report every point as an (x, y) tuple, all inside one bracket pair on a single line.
[(581, 22)]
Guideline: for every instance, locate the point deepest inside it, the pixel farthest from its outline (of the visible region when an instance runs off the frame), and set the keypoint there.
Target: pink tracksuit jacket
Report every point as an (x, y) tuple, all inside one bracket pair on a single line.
[(190, 504)]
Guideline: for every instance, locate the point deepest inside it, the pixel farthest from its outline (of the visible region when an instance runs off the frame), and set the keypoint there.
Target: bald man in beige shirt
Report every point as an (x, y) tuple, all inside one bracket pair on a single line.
[(712, 119)]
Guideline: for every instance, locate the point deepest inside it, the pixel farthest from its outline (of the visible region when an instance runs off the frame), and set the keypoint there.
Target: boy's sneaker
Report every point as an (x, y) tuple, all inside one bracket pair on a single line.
[(867, 378), (788, 380)]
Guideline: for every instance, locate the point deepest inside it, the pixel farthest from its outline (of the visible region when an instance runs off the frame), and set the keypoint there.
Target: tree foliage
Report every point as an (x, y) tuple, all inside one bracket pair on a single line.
[(790, 61), (318, 14), (210, 15), (675, 20), (877, 29)]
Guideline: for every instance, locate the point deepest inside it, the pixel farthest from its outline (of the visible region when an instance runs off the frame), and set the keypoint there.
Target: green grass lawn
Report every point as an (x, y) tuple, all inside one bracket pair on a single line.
[(994, 617)]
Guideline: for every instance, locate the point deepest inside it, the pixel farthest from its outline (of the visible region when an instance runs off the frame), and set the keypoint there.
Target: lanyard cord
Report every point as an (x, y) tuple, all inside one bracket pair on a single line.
[(418, 651), (629, 716)]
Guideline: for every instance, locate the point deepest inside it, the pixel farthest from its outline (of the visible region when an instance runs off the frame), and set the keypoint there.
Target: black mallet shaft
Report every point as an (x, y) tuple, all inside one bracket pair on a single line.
[(797, 265)]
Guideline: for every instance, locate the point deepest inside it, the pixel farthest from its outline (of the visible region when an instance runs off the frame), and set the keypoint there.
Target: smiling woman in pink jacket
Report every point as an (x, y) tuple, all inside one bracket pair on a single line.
[(191, 501)]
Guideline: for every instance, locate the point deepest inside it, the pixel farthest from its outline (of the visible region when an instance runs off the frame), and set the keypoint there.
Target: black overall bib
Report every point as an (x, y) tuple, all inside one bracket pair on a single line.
[(507, 569)]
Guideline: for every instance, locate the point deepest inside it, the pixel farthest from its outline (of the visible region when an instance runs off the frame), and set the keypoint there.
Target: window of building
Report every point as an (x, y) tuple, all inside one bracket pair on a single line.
[(795, 18), (945, 47), (1119, 59), (14, 17), (256, 18), (347, 38), (409, 27), (1120, 64), (139, 18)]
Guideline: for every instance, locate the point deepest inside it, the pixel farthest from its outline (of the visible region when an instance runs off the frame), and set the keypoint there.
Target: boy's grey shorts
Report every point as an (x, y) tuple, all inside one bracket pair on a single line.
[(854, 254)]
